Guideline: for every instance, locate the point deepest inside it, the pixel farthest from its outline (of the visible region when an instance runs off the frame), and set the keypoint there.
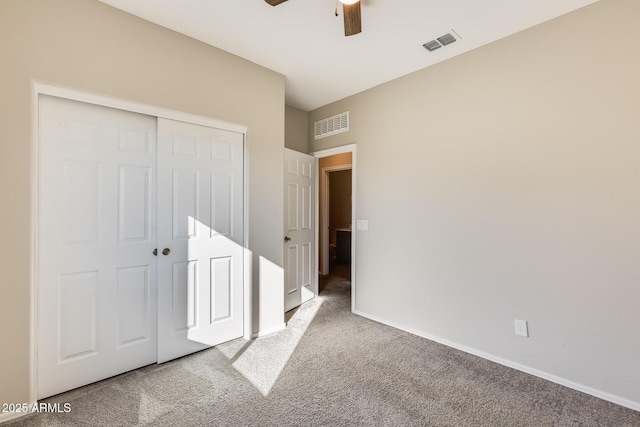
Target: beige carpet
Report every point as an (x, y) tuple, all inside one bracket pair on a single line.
[(330, 367)]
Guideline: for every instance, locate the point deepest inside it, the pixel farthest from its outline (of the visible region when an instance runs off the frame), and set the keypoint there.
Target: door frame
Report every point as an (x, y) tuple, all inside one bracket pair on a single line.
[(134, 107), (350, 148)]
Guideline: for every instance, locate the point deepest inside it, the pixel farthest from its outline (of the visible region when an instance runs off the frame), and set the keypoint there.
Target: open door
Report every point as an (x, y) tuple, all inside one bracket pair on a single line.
[(200, 237), (299, 226)]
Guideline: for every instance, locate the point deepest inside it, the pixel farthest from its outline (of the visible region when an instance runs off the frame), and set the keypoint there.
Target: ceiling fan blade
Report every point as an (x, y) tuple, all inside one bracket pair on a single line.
[(275, 2), (352, 19)]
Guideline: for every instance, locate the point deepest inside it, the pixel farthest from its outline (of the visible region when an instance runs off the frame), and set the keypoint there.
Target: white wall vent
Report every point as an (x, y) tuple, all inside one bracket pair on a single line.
[(331, 125)]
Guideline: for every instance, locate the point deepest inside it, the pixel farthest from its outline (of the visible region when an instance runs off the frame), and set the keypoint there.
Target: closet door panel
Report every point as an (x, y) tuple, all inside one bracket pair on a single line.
[(200, 223), (96, 235)]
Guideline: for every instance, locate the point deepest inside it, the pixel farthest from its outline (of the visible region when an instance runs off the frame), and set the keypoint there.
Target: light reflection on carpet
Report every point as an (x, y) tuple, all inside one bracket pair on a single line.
[(263, 360)]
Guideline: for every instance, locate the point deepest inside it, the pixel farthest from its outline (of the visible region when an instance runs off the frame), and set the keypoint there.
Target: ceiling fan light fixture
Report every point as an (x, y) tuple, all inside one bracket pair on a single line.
[(348, 2)]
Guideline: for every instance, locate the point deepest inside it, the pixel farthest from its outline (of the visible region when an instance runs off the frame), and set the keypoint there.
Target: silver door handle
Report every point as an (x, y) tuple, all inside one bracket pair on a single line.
[(287, 239), (155, 252), (166, 251)]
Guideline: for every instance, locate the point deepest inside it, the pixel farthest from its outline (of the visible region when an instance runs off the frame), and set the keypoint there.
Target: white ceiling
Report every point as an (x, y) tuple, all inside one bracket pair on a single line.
[(304, 40)]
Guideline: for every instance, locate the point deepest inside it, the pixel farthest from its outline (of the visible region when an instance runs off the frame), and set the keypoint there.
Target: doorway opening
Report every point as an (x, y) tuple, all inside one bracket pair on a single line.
[(336, 217)]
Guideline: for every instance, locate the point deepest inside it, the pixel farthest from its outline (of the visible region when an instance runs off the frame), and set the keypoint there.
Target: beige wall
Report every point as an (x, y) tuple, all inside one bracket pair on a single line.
[(295, 129), (505, 184), (342, 159), (340, 199), (88, 46)]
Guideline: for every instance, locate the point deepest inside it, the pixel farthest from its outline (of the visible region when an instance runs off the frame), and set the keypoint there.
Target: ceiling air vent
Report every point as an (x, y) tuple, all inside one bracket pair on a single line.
[(432, 45), (441, 41), (331, 125), (446, 39)]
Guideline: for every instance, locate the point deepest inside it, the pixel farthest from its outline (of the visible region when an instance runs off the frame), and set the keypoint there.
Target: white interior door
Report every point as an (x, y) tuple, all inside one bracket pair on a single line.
[(299, 226), (200, 237), (96, 234)]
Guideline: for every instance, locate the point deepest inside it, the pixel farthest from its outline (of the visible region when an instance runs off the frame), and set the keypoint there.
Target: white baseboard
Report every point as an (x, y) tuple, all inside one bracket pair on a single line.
[(511, 364), (8, 416), (269, 331)]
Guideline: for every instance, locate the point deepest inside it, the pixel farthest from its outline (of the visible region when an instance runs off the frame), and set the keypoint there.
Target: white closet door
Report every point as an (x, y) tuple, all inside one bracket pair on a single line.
[(200, 237), (96, 234)]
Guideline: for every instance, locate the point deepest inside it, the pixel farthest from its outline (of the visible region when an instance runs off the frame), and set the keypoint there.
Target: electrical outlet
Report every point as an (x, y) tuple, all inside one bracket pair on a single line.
[(522, 329)]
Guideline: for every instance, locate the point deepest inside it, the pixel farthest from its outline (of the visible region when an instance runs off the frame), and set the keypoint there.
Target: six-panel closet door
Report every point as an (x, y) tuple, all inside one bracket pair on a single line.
[(103, 237), (201, 230), (96, 236)]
